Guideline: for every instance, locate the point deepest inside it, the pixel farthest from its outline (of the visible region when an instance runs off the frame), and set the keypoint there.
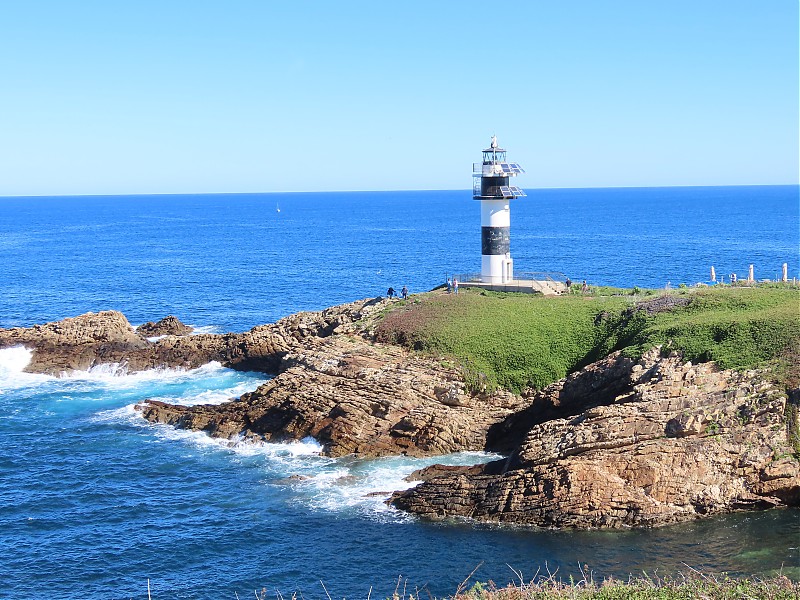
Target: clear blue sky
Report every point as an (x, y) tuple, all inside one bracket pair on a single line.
[(101, 97)]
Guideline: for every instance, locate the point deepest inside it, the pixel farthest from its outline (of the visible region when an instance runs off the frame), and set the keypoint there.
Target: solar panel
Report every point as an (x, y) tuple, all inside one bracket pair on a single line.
[(506, 167), (506, 191)]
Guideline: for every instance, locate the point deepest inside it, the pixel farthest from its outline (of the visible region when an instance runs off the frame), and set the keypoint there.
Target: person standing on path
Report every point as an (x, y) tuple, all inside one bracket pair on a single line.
[(455, 285), (390, 292), (404, 293), (449, 285)]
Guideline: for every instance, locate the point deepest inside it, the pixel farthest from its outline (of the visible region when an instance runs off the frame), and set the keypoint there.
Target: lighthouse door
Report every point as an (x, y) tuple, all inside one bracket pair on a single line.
[(507, 270)]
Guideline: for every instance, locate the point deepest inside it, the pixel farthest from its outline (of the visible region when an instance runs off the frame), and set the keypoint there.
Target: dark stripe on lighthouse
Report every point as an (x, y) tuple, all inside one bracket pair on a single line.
[(490, 186), (495, 240)]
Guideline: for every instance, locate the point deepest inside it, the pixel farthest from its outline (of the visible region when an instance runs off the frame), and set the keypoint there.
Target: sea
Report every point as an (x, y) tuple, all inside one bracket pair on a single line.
[(97, 503)]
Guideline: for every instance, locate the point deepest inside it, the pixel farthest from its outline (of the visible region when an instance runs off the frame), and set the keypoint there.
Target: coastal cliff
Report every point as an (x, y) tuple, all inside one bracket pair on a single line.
[(661, 440), (634, 424)]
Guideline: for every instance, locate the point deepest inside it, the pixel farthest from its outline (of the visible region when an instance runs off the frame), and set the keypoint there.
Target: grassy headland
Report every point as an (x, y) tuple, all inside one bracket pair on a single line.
[(517, 341)]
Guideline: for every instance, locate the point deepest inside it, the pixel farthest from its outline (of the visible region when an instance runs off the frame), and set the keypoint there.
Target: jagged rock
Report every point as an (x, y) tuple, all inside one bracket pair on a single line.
[(79, 343), (353, 397), (434, 471), (599, 383), (170, 325), (678, 441)]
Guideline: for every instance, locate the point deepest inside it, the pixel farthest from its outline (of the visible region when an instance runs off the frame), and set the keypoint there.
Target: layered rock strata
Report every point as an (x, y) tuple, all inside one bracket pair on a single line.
[(354, 397), (660, 441)]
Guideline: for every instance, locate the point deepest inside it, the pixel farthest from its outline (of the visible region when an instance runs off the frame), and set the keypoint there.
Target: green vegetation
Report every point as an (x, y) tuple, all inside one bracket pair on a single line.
[(643, 588), (516, 341), (736, 327)]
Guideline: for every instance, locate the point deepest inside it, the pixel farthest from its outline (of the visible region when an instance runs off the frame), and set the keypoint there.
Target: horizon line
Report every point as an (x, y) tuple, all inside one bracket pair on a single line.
[(612, 187)]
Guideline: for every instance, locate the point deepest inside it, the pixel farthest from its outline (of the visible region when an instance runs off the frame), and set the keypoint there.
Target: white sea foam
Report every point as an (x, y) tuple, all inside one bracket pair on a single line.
[(117, 375), (196, 330), (345, 484), (321, 483), (276, 453), (308, 447), (190, 398), (362, 486), (12, 369), (201, 329), (125, 414), (14, 359)]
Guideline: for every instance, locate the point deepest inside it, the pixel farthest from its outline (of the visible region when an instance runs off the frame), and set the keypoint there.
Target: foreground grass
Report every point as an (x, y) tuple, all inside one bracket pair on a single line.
[(691, 586), (516, 341), (684, 588)]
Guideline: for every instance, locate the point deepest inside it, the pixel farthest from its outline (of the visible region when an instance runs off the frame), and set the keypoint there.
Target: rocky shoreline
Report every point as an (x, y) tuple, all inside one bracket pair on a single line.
[(621, 442), (660, 441)]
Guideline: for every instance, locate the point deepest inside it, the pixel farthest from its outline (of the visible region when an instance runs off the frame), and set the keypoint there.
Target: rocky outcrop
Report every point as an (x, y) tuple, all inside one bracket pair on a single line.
[(169, 325), (354, 397), (660, 441), (595, 385), (79, 343)]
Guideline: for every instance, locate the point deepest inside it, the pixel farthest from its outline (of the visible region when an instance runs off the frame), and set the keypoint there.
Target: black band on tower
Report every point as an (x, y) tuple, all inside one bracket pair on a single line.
[(495, 240), (490, 186)]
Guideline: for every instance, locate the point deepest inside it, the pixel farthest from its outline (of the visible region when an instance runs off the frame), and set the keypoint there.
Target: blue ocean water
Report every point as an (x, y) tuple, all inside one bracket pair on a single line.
[(94, 501)]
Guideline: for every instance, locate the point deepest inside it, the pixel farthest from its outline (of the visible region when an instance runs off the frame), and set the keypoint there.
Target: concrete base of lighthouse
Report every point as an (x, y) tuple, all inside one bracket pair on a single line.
[(497, 268), (546, 287)]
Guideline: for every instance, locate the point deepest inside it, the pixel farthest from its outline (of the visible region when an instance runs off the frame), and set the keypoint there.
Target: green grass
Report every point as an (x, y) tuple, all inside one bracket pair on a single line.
[(516, 341), (510, 340), (735, 327), (683, 588), (689, 586)]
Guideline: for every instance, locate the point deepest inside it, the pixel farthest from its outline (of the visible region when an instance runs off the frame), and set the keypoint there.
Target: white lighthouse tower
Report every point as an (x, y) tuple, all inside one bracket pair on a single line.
[(490, 186)]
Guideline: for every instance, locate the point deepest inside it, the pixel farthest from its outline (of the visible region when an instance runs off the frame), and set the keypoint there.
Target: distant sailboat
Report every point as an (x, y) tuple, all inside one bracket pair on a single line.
[(277, 207)]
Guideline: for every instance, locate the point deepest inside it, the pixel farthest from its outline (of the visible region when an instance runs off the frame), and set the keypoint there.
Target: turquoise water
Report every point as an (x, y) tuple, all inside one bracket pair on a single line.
[(94, 501)]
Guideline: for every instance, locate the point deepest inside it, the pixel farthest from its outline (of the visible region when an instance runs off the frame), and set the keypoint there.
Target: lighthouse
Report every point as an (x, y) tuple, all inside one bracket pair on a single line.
[(491, 186)]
